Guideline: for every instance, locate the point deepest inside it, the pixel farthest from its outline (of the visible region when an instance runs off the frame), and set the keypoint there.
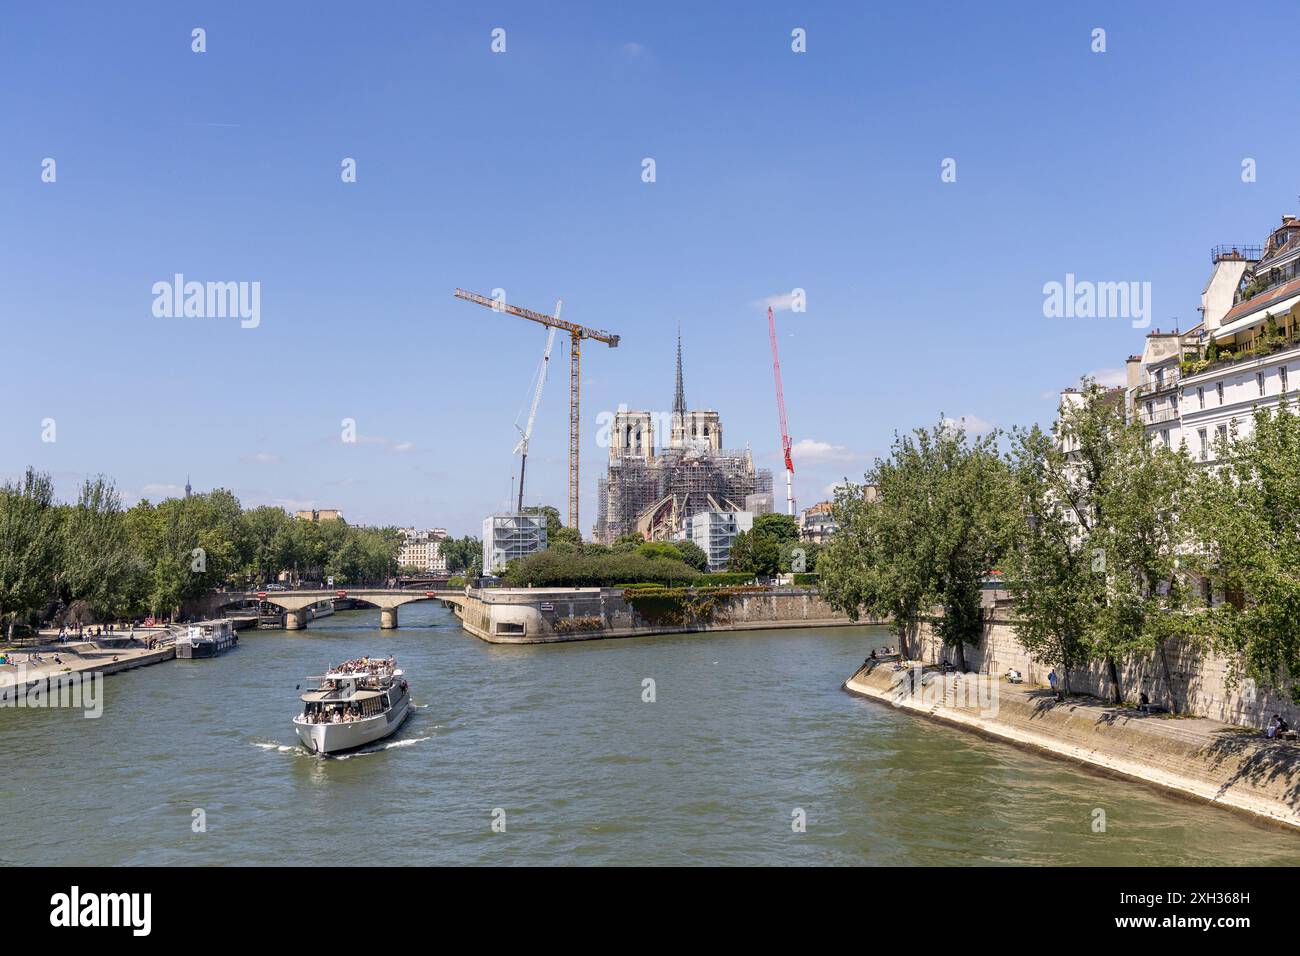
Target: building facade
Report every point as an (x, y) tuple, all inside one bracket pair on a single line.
[(319, 514), (654, 491), (509, 537), (1197, 388), (422, 550), (816, 524), (714, 532)]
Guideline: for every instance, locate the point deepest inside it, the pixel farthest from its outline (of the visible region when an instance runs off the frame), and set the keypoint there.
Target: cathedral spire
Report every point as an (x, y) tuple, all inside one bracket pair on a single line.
[(679, 399)]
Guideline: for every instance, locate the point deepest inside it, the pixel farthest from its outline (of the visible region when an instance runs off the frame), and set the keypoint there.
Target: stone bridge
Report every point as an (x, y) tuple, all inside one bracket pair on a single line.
[(388, 600)]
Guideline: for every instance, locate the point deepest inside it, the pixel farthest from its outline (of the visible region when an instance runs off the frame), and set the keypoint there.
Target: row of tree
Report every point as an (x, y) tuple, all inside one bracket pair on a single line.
[(1109, 544), (125, 563), (772, 547)]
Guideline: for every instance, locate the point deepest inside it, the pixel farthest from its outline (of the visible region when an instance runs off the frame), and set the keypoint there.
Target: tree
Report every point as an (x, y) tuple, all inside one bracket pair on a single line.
[(564, 538), (755, 552), (1245, 523), (929, 537), (968, 528), (870, 567), (552, 514), (1048, 571), (267, 535), (659, 549), (783, 528), (30, 547), (692, 554), (1094, 578), (464, 555), (96, 549), (628, 542)]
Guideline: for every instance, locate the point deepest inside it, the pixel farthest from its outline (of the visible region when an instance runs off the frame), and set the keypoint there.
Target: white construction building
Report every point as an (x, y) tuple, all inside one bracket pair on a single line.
[(714, 532), (509, 537)]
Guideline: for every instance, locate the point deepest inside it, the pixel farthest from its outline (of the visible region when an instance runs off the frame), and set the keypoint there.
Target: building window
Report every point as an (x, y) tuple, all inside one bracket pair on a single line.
[(1200, 395), (1259, 380), (1205, 443), (1164, 437), (1151, 411), (1219, 388), (1160, 378), (1223, 435)]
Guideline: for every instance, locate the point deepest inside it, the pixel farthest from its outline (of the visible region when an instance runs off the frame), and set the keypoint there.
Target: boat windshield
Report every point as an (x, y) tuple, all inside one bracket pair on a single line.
[(329, 712)]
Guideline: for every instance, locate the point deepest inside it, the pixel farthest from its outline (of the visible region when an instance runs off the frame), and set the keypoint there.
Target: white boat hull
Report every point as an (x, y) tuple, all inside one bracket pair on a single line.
[(335, 738)]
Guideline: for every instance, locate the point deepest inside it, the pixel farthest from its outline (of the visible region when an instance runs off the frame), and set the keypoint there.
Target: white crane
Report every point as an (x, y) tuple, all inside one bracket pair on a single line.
[(526, 433)]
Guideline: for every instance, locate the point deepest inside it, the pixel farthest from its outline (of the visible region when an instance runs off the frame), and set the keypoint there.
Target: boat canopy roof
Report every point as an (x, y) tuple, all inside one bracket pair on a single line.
[(333, 696)]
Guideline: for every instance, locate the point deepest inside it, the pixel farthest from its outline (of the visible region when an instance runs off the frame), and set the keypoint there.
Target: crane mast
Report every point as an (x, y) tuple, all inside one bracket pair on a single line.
[(780, 408), (521, 449), (576, 334)]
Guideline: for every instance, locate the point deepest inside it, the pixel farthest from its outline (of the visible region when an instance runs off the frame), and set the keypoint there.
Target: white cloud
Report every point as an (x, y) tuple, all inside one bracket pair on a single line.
[(404, 446), (811, 451), (163, 490), (633, 50), (262, 457), (1109, 377), (973, 423), (777, 303)]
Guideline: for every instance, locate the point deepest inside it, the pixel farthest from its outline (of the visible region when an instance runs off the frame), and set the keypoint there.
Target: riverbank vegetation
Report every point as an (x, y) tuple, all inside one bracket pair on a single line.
[(102, 561), (1109, 545)]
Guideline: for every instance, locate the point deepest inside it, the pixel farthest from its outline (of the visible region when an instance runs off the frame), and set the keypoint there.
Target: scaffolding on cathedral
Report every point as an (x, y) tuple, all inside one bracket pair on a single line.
[(655, 494)]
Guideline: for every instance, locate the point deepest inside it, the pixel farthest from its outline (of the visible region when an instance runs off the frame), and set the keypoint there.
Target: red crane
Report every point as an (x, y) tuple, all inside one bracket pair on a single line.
[(780, 407)]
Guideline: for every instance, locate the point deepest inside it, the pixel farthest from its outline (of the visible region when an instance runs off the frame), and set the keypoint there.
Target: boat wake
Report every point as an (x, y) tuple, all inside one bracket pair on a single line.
[(279, 748), (390, 745)]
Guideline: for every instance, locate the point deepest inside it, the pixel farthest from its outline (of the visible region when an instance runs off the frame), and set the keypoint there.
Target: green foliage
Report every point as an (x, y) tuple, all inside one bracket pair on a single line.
[(564, 538), (555, 569), (152, 558), (756, 552), (693, 554), (98, 561), (464, 555), (1093, 575), (553, 522), (628, 542), (659, 549), (723, 578), (1245, 523), (30, 547), (937, 526), (783, 528)]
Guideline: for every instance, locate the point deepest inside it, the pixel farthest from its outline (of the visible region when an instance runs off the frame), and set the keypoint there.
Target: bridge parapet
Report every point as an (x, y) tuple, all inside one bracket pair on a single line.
[(388, 600)]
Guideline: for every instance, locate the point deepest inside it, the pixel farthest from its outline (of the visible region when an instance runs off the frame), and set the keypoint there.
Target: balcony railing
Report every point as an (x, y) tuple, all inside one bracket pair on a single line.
[(1158, 417), (1233, 251)]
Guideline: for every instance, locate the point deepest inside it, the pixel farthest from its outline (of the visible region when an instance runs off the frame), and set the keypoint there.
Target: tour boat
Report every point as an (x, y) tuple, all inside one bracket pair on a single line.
[(322, 609), (207, 639), (353, 705)]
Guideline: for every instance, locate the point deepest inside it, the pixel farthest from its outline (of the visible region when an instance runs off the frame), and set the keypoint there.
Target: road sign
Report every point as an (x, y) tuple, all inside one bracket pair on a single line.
[(261, 595), (341, 593)]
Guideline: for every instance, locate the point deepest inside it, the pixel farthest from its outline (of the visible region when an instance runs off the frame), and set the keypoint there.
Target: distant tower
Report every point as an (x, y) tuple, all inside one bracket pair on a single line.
[(679, 399), (187, 486)]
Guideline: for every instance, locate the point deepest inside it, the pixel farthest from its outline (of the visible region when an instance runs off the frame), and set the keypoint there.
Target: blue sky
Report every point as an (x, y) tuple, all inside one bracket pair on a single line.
[(522, 171)]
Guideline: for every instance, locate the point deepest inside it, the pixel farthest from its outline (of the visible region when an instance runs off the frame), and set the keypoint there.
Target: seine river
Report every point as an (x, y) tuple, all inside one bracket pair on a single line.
[(748, 733)]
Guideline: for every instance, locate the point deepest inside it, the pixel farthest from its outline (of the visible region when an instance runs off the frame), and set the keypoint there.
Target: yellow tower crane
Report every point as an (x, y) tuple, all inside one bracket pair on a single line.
[(576, 334)]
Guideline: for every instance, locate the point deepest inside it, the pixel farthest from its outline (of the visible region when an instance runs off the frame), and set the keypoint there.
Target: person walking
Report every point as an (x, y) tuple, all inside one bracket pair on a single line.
[(1052, 679)]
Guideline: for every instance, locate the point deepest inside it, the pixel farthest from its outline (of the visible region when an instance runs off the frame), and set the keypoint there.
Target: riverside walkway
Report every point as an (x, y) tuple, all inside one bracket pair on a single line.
[(1225, 764)]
